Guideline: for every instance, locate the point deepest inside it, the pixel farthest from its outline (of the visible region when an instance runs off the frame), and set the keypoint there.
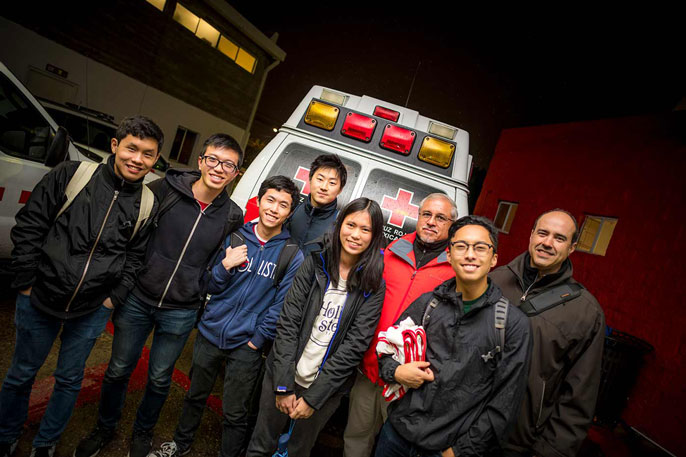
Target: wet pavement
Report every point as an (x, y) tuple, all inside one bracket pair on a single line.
[(208, 437)]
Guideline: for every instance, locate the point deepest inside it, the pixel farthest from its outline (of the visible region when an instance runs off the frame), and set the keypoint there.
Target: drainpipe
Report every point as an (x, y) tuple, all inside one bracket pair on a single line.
[(246, 135)]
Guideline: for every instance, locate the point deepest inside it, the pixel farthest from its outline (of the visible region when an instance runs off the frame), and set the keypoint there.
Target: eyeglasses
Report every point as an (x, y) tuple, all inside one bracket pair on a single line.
[(227, 165), (480, 248), (440, 219)]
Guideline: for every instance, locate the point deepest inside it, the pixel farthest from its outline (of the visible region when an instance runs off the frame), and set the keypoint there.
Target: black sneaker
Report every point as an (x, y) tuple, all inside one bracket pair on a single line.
[(141, 443), (7, 449), (169, 449), (94, 442), (47, 451)]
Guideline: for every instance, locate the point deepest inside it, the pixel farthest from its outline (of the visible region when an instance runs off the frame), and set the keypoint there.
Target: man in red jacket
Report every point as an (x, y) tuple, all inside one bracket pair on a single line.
[(413, 265)]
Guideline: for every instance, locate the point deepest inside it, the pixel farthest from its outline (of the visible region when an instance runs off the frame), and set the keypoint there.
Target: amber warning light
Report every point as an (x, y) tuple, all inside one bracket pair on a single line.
[(321, 115), (436, 152), (397, 139), (358, 126)]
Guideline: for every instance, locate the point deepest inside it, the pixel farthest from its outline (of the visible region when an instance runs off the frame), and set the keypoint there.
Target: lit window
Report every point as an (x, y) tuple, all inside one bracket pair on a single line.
[(159, 4), (207, 33), (245, 60), (595, 234), (228, 48), (504, 216), (184, 17)]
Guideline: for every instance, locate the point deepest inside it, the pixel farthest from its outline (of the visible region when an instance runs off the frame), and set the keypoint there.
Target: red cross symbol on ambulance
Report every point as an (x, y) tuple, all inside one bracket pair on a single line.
[(303, 175), (400, 207)]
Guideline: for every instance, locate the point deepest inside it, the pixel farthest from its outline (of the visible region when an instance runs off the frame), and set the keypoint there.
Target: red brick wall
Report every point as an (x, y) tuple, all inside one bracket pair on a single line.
[(633, 169)]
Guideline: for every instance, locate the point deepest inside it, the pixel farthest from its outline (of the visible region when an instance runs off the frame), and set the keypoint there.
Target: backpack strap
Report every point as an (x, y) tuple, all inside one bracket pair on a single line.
[(78, 181), (427, 312), (551, 298), (237, 239), (288, 252), (500, 309), (147, 202)]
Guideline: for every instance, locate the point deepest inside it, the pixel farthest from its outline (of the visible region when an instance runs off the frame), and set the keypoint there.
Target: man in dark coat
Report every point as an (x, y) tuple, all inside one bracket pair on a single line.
[(317, 213), (568, 343), (462, 399), (73, 266)]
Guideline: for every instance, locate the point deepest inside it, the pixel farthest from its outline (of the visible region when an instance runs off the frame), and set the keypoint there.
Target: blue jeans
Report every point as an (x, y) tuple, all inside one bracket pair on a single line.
[(133, 322), (391, 444), (36, 333), (242, 367)]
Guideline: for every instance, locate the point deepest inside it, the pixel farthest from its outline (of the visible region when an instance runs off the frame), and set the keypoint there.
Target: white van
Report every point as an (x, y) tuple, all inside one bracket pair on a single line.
[(393, 155)]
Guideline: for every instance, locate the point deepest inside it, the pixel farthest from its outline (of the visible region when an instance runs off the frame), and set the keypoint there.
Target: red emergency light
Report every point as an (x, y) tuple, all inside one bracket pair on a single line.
[(359, 126), (386, 113), (397, 139)]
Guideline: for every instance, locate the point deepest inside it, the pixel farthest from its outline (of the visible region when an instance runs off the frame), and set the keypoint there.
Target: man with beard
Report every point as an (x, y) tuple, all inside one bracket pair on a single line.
[(413, 265), (568, 341)]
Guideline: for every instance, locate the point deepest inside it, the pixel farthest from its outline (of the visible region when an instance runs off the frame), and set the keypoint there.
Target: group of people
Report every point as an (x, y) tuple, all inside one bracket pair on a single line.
[(512, 358)]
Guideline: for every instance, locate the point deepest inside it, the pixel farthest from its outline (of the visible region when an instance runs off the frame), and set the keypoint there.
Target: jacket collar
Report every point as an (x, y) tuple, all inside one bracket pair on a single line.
[(182, 180), (117, 182), (321, 211), (522, 262), (249, 233), (403, 248), (446, 291)]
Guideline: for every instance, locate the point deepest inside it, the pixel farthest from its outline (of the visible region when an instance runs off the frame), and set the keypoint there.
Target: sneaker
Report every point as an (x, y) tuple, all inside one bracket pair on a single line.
[(7, 449), (141, 443), (169, 449), (94, 442), (46, 451)]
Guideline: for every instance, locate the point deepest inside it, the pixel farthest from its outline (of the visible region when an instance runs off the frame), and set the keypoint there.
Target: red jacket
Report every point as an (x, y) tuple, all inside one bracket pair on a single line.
[(404, 284)]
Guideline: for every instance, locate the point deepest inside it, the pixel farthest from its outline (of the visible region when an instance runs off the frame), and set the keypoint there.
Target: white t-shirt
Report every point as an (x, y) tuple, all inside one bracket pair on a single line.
[(323, 329)]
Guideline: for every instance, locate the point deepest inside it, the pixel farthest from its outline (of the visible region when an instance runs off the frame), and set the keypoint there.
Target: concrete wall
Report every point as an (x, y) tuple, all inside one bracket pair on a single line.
[(632, 169)]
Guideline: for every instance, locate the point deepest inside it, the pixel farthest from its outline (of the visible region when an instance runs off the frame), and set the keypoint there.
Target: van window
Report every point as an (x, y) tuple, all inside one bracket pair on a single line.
[(295, 163), (84, 131), (399, 199), (23, 130)]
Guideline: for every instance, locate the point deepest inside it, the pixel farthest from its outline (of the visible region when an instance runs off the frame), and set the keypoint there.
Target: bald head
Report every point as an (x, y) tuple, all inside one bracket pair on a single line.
[(552, 240)]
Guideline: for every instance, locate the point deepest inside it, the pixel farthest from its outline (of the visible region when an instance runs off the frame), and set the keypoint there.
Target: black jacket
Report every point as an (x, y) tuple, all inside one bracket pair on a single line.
[(184, 242), (470, 403), (355, 331), (565, 365), (75, 262), (308, 223)]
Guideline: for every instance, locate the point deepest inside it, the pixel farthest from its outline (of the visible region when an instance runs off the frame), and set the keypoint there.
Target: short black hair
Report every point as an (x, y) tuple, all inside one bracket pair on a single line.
[(142, 127), (476, 220), (224, 141), (280, 183), (330, 161), (575, 235)]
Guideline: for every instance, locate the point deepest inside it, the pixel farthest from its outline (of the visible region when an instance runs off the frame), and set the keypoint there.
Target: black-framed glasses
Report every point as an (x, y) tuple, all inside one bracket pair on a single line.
[(440, 218), (480, 247), (227, 165)]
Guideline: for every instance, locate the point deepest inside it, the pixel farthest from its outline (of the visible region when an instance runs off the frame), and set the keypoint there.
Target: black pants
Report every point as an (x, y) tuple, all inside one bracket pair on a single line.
[(271, 422)]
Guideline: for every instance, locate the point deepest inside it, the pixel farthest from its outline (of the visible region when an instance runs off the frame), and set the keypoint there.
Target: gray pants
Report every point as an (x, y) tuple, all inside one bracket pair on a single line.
[(367, 413), (271, 423)]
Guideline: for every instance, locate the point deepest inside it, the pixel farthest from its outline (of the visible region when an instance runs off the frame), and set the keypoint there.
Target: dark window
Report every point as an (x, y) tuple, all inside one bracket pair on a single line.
[(182, 147)]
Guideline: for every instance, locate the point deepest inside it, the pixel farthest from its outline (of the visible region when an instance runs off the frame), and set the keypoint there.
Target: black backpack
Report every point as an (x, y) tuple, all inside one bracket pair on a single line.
[(285, 256)]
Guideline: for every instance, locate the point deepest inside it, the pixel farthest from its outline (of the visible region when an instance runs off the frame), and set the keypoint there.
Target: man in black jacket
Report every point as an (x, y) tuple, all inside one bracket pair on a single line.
[(568, 341), (72, 269), (196, 214), (317, 213), (462, 399)]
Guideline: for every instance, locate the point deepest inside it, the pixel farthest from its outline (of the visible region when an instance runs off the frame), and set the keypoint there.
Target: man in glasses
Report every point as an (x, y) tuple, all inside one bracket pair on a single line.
[(568, 341), (413, 265), (463, 397), (194, 217)]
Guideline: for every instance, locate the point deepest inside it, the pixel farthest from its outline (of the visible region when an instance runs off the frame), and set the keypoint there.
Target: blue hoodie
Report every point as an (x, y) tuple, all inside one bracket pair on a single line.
[(245, 305)]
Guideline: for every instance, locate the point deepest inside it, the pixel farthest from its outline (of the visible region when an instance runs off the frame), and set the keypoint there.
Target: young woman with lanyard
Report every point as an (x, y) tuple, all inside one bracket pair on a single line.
[(327, 322)]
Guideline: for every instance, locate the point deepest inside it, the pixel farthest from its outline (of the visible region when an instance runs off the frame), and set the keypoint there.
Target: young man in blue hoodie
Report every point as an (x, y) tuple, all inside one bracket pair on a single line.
[(240, 318), (194, 217)]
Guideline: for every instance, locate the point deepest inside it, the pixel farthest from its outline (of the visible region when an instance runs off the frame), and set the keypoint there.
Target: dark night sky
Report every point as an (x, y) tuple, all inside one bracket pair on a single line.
[(478, 73)]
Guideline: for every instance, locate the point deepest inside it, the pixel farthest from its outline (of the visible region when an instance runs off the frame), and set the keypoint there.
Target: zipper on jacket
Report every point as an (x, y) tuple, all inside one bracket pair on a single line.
[(178, 262), (540, 406), (90, 255)]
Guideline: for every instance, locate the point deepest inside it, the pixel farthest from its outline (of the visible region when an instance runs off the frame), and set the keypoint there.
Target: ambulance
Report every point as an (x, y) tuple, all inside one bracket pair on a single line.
[(392, 154)]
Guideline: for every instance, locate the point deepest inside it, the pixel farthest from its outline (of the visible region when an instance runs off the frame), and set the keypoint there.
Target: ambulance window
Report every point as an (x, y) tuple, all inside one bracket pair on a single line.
[(24, 132), (295, 162), (399, 198)]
